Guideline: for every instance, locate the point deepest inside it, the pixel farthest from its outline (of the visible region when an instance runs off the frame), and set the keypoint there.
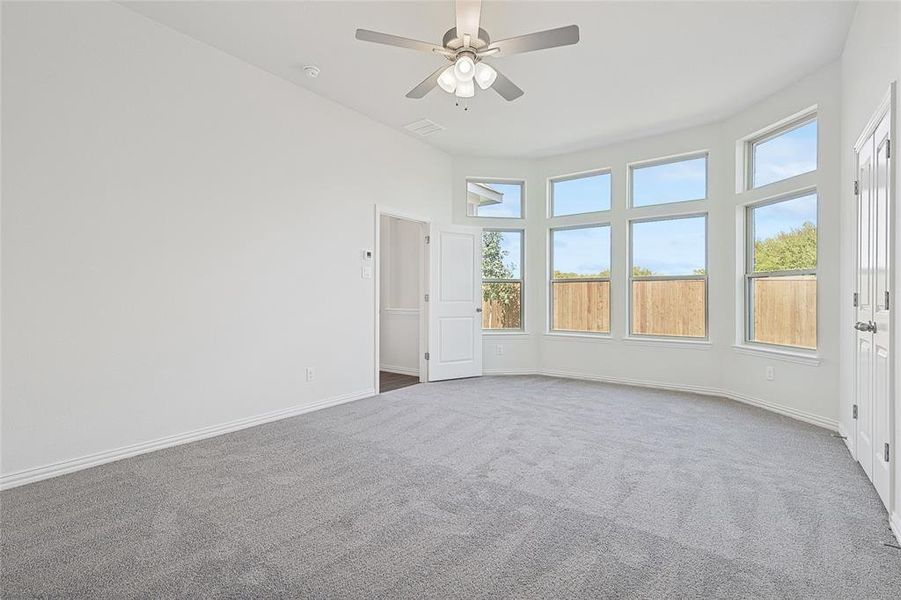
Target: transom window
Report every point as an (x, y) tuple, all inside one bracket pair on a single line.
[(502, 282), (578, 194), (783, 153), (781, 277), (667, 181), (668, 277), (580, 279), (492, 198)]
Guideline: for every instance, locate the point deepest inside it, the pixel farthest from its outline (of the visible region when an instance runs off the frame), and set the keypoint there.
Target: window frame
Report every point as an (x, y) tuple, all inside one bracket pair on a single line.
[(552, 280), (750, 274), (656, 162), (706, 277), (521, 280), (771, 133), (570, 177), (505, 181)]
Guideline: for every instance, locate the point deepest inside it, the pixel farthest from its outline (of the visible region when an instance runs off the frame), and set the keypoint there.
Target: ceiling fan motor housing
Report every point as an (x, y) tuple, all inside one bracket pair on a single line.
[(453, 43)]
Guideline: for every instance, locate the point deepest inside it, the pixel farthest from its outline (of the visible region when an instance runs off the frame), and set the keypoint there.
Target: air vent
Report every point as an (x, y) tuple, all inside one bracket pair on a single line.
[(423, 127)]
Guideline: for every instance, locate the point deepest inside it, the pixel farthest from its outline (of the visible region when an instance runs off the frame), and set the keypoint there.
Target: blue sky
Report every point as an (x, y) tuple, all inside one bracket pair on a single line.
[(790, 154), (511, 205), (671, 247), (585, 251), (586, 194), (772, 219), (511, 243), (670, 182)]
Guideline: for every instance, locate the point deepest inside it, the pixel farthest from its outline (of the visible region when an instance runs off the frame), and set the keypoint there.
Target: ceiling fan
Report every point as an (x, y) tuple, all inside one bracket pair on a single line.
[(465, 46)]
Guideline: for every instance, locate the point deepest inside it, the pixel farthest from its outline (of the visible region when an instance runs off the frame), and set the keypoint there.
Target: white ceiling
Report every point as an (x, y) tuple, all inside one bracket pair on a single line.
[(640, 67)]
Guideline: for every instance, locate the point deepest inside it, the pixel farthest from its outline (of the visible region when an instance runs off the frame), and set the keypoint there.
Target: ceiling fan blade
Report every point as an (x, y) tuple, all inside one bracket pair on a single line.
[(428, 84), (506, 88), (469, 13), (550, 38), (395, 40)]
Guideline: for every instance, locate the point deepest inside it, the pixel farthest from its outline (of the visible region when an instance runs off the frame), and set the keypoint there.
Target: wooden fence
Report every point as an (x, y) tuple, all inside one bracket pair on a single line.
[(670, 307), (785, 309)]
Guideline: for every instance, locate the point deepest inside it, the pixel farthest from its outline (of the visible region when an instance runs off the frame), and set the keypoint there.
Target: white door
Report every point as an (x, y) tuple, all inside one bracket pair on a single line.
[(455, 314), (882, 376), (863, 363), (873, 372)]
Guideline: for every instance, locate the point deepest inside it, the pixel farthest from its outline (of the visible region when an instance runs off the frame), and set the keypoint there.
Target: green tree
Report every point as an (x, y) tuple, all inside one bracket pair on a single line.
[(641, 272), (788, 250), (501, 301)]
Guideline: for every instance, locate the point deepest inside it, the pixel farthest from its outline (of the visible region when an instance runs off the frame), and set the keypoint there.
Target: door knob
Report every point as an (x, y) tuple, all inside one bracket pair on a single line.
[(868, 326), (479, 309)]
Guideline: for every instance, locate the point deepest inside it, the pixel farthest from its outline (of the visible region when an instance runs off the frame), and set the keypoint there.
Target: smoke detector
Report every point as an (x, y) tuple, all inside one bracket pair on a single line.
[(311, 71)]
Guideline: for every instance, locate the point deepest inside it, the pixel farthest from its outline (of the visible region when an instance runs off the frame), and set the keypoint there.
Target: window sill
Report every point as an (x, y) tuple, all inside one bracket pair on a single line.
[(510, 333), (801, 358), (583, 337), (658, 342)]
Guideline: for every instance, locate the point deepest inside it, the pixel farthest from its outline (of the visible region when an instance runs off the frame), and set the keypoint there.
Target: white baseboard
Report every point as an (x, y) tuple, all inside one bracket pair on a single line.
[(25, 476), (895, 523), (787, 411), (399, 370), (509, 372)]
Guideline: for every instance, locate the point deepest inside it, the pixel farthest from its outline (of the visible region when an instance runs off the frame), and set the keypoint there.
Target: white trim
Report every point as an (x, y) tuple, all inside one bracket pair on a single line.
[(885, 106), (895, 524), (62, 467), (500, 333), (514, 371), (800, 415), (401, 312), (800, 358), (562, 334), (399, 370), (659, 342)]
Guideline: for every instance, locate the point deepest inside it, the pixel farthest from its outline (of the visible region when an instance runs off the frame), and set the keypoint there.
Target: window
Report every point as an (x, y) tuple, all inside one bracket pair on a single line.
[(487, 198), (502, 279), (782, 272), (580, 194), (784, 153), (580, 279), (664, 182), (668, 277)]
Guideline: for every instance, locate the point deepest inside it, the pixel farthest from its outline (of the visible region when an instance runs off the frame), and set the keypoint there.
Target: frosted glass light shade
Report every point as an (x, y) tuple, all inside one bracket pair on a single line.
[(466, 89), (485, 75), (447, 80), (464, 69)]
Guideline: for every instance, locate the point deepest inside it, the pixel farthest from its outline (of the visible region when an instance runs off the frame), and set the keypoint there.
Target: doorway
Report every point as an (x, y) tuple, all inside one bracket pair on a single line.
[(873, 300), (401, 318)]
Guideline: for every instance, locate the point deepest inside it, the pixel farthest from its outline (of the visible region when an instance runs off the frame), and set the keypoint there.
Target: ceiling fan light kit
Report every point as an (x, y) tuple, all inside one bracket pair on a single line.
[(466, 45)]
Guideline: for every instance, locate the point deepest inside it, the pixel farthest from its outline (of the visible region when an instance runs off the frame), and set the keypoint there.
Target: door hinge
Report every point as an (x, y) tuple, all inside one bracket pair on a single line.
[(427, 356), (886, 455), (428, 239), (888, 148), (857, 188), (855, 298), (886, 299), (854, 412), (426, 297)]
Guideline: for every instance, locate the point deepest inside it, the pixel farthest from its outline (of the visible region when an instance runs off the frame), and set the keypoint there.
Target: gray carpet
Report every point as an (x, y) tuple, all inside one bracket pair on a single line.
[(525, 487)]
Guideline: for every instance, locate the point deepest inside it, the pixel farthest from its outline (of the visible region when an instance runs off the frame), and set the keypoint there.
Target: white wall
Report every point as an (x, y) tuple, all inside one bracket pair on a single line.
[(870, 62), (801, 387), (181, 235), (400, 250)]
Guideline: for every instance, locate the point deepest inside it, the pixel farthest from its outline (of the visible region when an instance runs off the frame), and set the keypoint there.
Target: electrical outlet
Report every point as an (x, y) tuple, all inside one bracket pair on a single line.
[(770, 373), (499, 350), (311, 374)]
